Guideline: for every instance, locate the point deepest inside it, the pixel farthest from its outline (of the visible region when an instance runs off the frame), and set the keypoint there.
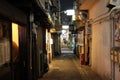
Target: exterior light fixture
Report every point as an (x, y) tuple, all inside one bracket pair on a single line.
[(65, 27), (70, 12), (52, 30)]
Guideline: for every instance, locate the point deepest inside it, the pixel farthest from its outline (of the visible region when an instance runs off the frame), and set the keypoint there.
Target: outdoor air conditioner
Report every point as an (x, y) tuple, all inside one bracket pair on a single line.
[(112, 3)]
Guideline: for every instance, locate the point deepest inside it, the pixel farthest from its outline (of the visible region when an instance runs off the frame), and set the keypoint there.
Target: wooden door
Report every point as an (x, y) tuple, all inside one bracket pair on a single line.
[(19, 53)]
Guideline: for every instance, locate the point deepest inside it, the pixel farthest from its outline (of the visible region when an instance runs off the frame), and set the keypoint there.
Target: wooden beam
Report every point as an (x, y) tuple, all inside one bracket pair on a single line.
[(11, 12)]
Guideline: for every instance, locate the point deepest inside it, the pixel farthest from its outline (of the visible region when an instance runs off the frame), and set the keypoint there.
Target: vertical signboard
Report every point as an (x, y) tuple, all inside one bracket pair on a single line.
[(116, 30)]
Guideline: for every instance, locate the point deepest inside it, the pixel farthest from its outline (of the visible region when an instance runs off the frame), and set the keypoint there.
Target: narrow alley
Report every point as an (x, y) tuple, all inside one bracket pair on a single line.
[(67, 67), (59, 39)]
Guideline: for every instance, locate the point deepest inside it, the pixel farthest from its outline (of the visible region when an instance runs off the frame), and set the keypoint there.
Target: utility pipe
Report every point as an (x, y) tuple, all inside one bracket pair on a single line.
[(105, 15)]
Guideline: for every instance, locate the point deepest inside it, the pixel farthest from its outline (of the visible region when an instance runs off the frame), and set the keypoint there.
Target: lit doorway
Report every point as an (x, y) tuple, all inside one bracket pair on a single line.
[(66, 40)]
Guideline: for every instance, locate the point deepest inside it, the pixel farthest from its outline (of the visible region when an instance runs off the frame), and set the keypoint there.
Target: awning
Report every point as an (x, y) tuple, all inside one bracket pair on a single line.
[(27, 6)]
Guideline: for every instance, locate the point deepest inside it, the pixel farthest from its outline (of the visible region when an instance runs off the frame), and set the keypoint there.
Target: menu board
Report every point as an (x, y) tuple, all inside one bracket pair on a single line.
[(4, 52), (2, 55), (80, 38)]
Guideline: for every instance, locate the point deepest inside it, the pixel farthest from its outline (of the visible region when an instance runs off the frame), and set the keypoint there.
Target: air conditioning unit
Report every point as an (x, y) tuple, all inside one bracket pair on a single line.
[(112, 3)]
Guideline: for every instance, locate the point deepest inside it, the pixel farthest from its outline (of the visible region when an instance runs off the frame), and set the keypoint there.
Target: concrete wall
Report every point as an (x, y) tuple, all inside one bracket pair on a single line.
[(100, 41), (100, 55), (101, 49)]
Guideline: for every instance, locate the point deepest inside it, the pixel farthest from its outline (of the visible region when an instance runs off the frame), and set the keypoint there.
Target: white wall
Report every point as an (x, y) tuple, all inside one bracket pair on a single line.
[(101, 48), (100, 41)]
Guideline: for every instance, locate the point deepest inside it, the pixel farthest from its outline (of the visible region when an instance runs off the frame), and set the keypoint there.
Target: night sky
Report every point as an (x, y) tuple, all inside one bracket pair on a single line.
[(66, 4)]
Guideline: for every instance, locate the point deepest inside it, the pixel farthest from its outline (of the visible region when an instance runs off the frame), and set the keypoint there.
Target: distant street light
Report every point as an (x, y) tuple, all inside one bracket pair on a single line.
[(70, 12), (65, 27)]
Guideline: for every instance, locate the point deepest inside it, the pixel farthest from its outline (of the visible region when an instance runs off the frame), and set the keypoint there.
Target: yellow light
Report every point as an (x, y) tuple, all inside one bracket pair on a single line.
[(52, 30), (15, 37)]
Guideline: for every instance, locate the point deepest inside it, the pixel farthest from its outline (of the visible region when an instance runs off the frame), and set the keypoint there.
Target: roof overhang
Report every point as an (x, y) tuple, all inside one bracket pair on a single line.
[(86, 4), (27, 6)]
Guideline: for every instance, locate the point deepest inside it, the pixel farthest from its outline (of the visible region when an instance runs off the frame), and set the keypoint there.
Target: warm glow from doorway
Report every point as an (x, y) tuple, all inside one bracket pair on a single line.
[(15, 37)]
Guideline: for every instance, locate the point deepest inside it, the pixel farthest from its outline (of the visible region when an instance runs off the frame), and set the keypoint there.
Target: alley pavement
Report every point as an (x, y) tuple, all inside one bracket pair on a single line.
[(67, 67)]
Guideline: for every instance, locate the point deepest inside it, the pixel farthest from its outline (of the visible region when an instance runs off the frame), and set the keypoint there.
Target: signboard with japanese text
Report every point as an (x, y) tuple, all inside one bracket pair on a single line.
[(116, 30)]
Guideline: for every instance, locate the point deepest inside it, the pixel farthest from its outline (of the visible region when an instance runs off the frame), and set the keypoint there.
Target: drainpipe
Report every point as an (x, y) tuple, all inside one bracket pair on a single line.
[(111, 45)]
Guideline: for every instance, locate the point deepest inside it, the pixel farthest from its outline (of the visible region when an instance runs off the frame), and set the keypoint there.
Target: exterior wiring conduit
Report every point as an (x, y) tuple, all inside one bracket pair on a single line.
[(105, 15)]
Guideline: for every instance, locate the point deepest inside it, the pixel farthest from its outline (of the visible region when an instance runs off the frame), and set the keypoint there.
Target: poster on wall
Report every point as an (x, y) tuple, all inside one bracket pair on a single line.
[(116, 30), (2, 55), (80, 38), (4, 52), (7, 51)]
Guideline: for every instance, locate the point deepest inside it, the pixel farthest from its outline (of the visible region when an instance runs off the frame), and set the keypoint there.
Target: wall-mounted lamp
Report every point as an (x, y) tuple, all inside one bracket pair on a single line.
[(83, 14), (70, 12), (52, 30)]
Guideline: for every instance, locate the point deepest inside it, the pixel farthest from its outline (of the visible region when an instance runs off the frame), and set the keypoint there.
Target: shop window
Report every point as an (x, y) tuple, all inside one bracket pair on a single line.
[(4, 44), (5, 51)]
